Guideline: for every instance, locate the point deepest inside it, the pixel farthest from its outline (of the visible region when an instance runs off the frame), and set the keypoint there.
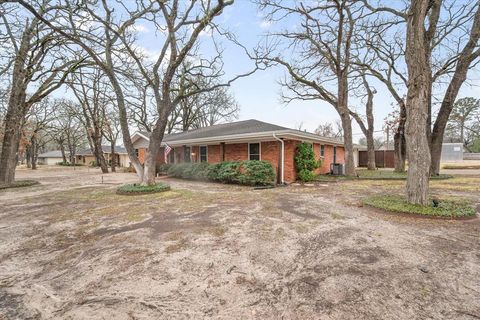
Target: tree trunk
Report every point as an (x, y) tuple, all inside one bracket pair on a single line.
[(370, 151), (34, 152), (15, 117), (113, 160), (156, 137), (62, 150), (469, 53), (99, 154), (400, 148), (28, 156), (347, 141), (417, 105)]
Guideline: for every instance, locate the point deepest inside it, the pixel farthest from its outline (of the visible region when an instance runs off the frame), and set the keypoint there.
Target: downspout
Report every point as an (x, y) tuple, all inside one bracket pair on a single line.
[(283, 158)]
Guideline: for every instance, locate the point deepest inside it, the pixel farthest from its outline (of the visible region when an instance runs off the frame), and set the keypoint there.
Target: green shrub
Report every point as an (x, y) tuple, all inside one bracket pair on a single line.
[(305, 162), (306, 175), (226, 172), (256, 173), (252, 173), (163, 168), (197, 171), (139, 189), (68, 164)]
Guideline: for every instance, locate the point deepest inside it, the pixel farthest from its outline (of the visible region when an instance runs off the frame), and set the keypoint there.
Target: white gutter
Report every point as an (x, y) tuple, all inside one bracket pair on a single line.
[(283, 157)]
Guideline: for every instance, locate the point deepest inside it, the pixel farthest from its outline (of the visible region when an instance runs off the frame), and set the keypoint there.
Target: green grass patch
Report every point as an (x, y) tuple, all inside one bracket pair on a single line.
[(456, 208), (135, 189), (363, 174), (19, 184), (461, 166)]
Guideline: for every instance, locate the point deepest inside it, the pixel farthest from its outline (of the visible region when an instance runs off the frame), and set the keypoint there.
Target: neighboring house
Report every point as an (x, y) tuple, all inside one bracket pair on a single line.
[(86, 156), (50, 157), (244, 140)]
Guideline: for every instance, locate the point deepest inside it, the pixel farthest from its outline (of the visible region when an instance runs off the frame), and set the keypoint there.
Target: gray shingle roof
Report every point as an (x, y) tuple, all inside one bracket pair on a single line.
[(52, 154), (106, 149), (235, 128)]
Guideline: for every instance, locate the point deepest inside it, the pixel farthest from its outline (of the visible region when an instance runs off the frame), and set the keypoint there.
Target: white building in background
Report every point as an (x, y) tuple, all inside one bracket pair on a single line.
[(452, 152), (50, 157)]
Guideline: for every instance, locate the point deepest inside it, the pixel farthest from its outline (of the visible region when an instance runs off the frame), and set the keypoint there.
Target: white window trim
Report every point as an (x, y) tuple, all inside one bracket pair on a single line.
[(173, 155), (200, 153), (189, 153), (259, 150), (322, 156)]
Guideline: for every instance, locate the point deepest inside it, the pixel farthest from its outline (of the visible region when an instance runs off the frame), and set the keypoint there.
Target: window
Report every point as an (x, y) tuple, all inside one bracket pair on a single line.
[(334, 154), (203, 154), (171, 156), (254, 151), (136, 152), (186, 154), (322, 151)]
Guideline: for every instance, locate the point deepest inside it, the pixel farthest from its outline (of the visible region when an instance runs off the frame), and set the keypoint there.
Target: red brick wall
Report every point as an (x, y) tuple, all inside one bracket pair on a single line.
[(290, 174), (214, 153), (328, 158), (269, 151), (236, 152)]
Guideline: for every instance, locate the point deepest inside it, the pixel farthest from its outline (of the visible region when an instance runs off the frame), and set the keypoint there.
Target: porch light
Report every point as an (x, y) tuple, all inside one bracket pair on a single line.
[(193, 154)]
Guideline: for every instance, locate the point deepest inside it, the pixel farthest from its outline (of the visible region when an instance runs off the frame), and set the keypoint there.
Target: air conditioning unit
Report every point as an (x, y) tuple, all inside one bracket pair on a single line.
[(337, 169)]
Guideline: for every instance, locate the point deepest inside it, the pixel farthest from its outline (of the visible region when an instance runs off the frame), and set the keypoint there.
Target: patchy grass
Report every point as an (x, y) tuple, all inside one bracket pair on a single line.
[(446, 208), (19, 184), (363, 174), (133, 189), (461, 166)]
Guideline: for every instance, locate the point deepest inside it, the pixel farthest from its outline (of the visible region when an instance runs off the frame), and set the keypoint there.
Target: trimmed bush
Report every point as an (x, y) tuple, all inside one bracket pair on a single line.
[(256, 173), (305, 162), (197, 171), (252, 173), (132, 189)]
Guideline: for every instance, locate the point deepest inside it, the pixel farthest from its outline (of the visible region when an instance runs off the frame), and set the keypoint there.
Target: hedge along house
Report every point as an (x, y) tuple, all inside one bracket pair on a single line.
[(244, 140)]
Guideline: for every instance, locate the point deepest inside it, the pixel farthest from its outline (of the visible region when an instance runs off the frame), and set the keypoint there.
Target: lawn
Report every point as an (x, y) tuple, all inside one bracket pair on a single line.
[(379, 174), (73, 248)]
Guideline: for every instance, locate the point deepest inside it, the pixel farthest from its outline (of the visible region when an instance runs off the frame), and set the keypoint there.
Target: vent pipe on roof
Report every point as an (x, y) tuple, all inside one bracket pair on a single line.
[(283, 158)]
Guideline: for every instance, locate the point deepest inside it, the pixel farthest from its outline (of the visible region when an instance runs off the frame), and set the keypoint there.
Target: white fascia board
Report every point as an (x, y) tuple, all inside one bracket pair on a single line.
[(249, 137)]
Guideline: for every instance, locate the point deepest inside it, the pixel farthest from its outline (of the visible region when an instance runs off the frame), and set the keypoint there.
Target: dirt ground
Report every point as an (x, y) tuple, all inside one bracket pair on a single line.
[(71, 248)]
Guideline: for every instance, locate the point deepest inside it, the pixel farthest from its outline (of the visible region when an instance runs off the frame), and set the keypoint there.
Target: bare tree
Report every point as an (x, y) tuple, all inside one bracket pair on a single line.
[(67, 131), (432, 27), (90, 88), (383, 58), (203, 109), (93, 26), (38, 119), (330, 130), (464, 122), (320, 55), (111, 130), (38, 63), (369, 128)]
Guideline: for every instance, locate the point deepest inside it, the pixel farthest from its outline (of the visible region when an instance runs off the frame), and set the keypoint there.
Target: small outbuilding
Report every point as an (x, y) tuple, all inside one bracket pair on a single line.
[(50, 157)]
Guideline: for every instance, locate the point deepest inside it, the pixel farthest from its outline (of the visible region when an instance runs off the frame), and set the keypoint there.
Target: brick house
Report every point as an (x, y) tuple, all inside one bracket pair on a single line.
[(244, 140)]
